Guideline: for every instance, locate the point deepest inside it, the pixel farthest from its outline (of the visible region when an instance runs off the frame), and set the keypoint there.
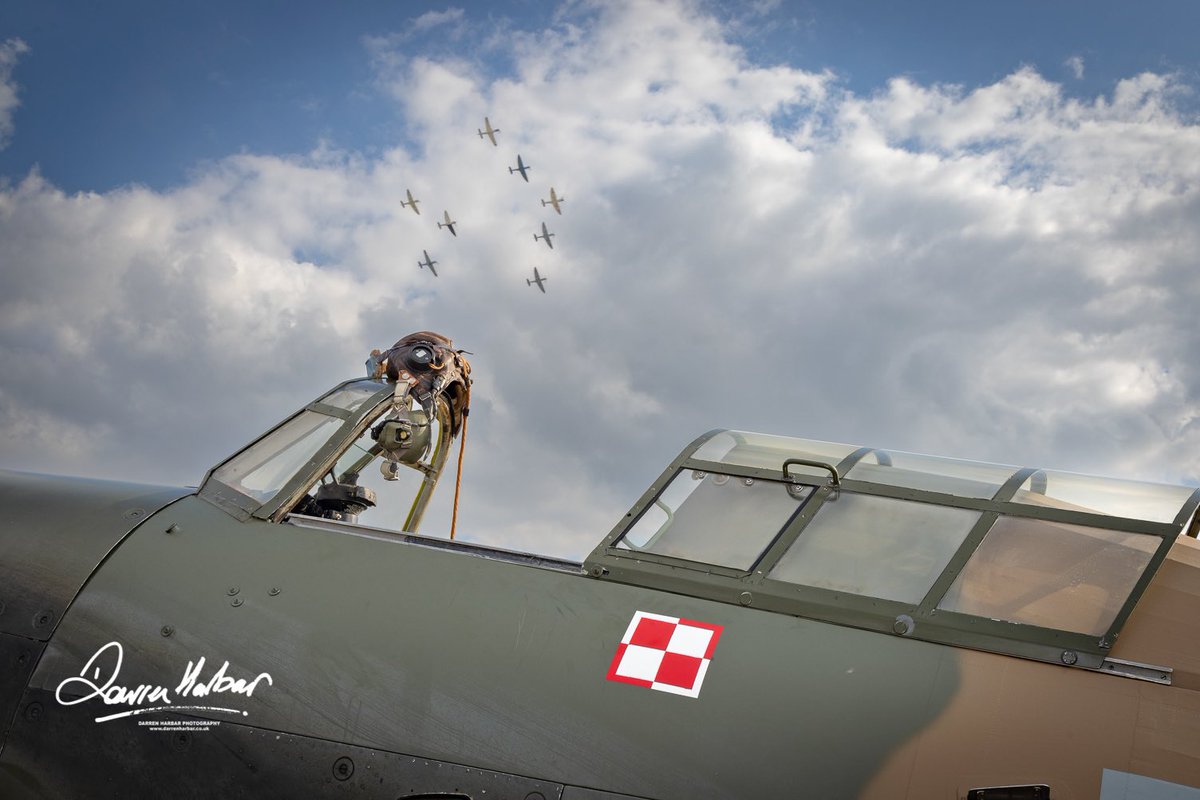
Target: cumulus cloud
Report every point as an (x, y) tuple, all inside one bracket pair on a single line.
[(10, 52), (1000, 272), (1075, 64)]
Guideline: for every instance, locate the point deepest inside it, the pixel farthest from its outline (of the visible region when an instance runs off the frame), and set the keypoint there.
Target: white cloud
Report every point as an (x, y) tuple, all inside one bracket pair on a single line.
[(1001, 273), (433, 19), (10, 52), (1075, 64)]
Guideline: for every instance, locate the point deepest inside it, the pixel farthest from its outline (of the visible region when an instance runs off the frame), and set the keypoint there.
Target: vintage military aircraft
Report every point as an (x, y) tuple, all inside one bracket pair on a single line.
[(428, 262), (554, 201), (538, 279), (521, 167), (411, 202), (448, 224), (774, 617), (488, 130), (545, 236)]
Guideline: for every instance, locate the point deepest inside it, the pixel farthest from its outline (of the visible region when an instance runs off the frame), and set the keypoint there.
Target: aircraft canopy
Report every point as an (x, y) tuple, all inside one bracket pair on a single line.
[(1153, 502), (1039, 563)]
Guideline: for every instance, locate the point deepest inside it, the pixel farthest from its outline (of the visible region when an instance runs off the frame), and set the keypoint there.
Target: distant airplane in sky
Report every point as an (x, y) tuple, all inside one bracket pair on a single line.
[(449, 223), (546, 236), (488, 130), (428, 262), (538, 279), (412, 201), (521, 168), (554, 201)]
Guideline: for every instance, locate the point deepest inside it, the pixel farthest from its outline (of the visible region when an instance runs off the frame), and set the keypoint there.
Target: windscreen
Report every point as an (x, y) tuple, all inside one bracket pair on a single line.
[(262, 469)]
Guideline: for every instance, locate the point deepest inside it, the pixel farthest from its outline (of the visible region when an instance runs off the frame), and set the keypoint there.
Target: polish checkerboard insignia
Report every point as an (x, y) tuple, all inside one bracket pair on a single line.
[(667, 654)]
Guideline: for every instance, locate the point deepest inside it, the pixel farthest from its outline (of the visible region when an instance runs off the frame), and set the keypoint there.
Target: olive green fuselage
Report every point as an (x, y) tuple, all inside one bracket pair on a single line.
[(388, 644), (154, 643)]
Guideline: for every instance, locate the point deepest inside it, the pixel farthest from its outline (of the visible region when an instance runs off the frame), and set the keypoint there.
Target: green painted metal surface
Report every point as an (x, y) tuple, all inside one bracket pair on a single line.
[(465, 656)]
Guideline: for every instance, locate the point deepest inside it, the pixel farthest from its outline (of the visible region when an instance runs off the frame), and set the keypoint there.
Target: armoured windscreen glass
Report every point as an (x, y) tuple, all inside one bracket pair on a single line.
[(715, 519), (1051, 574), (875, 546), (262, 469), (393, 484)]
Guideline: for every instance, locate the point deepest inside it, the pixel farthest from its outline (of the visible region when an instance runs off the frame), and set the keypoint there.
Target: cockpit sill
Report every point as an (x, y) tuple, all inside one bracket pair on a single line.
[(437, 543), (970, 510)]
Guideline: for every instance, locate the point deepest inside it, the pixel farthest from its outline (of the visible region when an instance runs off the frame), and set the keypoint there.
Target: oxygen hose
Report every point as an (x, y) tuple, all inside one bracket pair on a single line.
[(462, 445)]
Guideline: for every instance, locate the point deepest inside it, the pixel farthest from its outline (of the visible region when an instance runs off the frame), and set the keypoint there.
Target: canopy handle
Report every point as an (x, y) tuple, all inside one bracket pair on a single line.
[(837, 481)]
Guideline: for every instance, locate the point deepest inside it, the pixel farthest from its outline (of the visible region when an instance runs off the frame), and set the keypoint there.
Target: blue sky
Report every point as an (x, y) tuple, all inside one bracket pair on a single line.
[(143, 92), (962, 229)]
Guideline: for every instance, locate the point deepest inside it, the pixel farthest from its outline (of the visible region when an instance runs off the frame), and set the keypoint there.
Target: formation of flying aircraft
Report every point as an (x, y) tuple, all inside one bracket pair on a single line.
[(488, 130), (545, 236), (538, 279), (773, 617), (428, 262), (521, 168), (554, 201), (411, 202)]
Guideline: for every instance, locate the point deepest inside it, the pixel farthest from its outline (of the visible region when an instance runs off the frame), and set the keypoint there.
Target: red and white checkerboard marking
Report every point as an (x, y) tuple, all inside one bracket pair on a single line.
[(665, 653)]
